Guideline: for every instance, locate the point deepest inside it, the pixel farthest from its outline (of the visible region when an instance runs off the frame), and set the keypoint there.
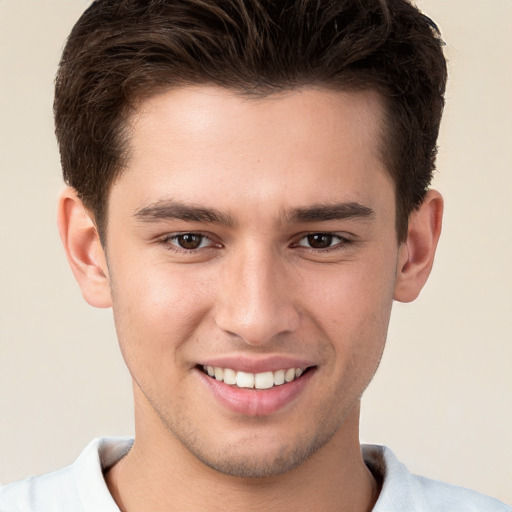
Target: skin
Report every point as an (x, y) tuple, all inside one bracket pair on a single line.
[(254, 290)]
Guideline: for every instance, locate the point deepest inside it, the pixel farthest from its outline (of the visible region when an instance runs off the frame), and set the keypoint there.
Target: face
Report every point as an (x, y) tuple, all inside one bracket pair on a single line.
[(252, 257)]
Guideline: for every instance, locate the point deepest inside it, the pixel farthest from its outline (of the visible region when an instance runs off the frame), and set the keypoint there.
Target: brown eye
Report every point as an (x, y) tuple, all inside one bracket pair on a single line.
[(320, 240), (189, 241)]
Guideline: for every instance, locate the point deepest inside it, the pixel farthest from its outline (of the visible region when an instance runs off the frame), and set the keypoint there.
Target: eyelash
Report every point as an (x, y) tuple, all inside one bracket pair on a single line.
[(167, 242)]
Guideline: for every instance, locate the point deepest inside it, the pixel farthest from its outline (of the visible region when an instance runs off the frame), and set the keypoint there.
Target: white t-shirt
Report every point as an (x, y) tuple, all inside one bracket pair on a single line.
[(81, 486)]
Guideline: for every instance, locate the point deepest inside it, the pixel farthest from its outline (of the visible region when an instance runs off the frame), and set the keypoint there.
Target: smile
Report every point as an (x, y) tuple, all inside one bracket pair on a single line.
[(263, 380)]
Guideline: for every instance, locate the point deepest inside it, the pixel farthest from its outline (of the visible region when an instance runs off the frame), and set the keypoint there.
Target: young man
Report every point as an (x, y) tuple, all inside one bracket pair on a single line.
[(248, 189)]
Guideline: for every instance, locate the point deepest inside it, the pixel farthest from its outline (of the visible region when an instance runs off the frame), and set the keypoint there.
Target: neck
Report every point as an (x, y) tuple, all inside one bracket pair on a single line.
[(161, 474)]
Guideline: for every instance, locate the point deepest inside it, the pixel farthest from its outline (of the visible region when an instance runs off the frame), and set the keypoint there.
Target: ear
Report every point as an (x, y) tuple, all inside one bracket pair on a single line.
[(416, 254), (83, 248)]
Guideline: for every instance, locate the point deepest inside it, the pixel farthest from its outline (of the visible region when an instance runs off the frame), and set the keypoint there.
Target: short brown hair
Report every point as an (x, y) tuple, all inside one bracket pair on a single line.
[(121, 51)]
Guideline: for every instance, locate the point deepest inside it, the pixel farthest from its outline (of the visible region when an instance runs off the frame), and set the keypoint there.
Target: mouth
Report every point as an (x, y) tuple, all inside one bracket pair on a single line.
[(270, 387), (258, 381)]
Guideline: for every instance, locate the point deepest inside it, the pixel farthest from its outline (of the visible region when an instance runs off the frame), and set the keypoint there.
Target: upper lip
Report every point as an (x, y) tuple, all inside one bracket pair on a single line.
[(257, 364)]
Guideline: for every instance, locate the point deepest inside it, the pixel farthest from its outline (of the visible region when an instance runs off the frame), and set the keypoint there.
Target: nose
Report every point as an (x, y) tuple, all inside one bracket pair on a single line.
[(256, 303)]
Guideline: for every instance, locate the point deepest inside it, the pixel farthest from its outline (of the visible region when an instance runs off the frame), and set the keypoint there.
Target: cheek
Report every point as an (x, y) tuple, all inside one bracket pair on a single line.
[(354, 293), (156, 310), (353, 307)]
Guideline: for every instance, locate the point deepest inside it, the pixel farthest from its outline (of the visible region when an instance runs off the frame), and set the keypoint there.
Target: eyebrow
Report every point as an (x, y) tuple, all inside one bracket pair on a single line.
[(174, 210), (322, 213)]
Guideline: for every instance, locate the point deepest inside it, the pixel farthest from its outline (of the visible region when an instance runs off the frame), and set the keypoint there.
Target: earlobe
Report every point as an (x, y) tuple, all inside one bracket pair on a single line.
[(83, 248), (416, 254)]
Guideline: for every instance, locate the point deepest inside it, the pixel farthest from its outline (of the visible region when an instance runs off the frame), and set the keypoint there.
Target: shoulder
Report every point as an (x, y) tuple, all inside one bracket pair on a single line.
[(40, 494), (76, 488), (403, 491), (454, 498)]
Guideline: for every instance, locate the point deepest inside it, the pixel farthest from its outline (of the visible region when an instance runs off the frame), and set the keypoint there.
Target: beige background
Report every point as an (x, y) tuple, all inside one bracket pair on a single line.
[(442, 398)]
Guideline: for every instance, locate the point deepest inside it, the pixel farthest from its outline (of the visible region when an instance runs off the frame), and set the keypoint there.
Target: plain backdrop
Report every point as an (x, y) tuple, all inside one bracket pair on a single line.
[(442, 398)]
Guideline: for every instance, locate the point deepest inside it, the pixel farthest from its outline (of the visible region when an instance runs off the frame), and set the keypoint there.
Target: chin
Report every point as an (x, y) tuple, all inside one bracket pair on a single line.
[(259, 458), (256, 466)]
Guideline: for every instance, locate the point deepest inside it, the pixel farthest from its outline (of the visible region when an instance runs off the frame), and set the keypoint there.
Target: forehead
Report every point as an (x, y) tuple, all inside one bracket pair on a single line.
[(211, 145), (211, 110)]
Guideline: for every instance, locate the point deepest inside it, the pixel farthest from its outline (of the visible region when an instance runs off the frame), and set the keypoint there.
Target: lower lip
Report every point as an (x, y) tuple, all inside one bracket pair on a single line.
[(252, 402)]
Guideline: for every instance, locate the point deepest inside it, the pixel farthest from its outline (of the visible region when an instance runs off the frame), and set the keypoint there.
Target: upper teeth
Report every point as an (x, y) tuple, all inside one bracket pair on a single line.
[(264, 380)]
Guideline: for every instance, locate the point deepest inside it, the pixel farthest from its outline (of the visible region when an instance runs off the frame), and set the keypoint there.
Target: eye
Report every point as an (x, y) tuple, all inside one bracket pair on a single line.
[(322, 241), (188, 241)]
